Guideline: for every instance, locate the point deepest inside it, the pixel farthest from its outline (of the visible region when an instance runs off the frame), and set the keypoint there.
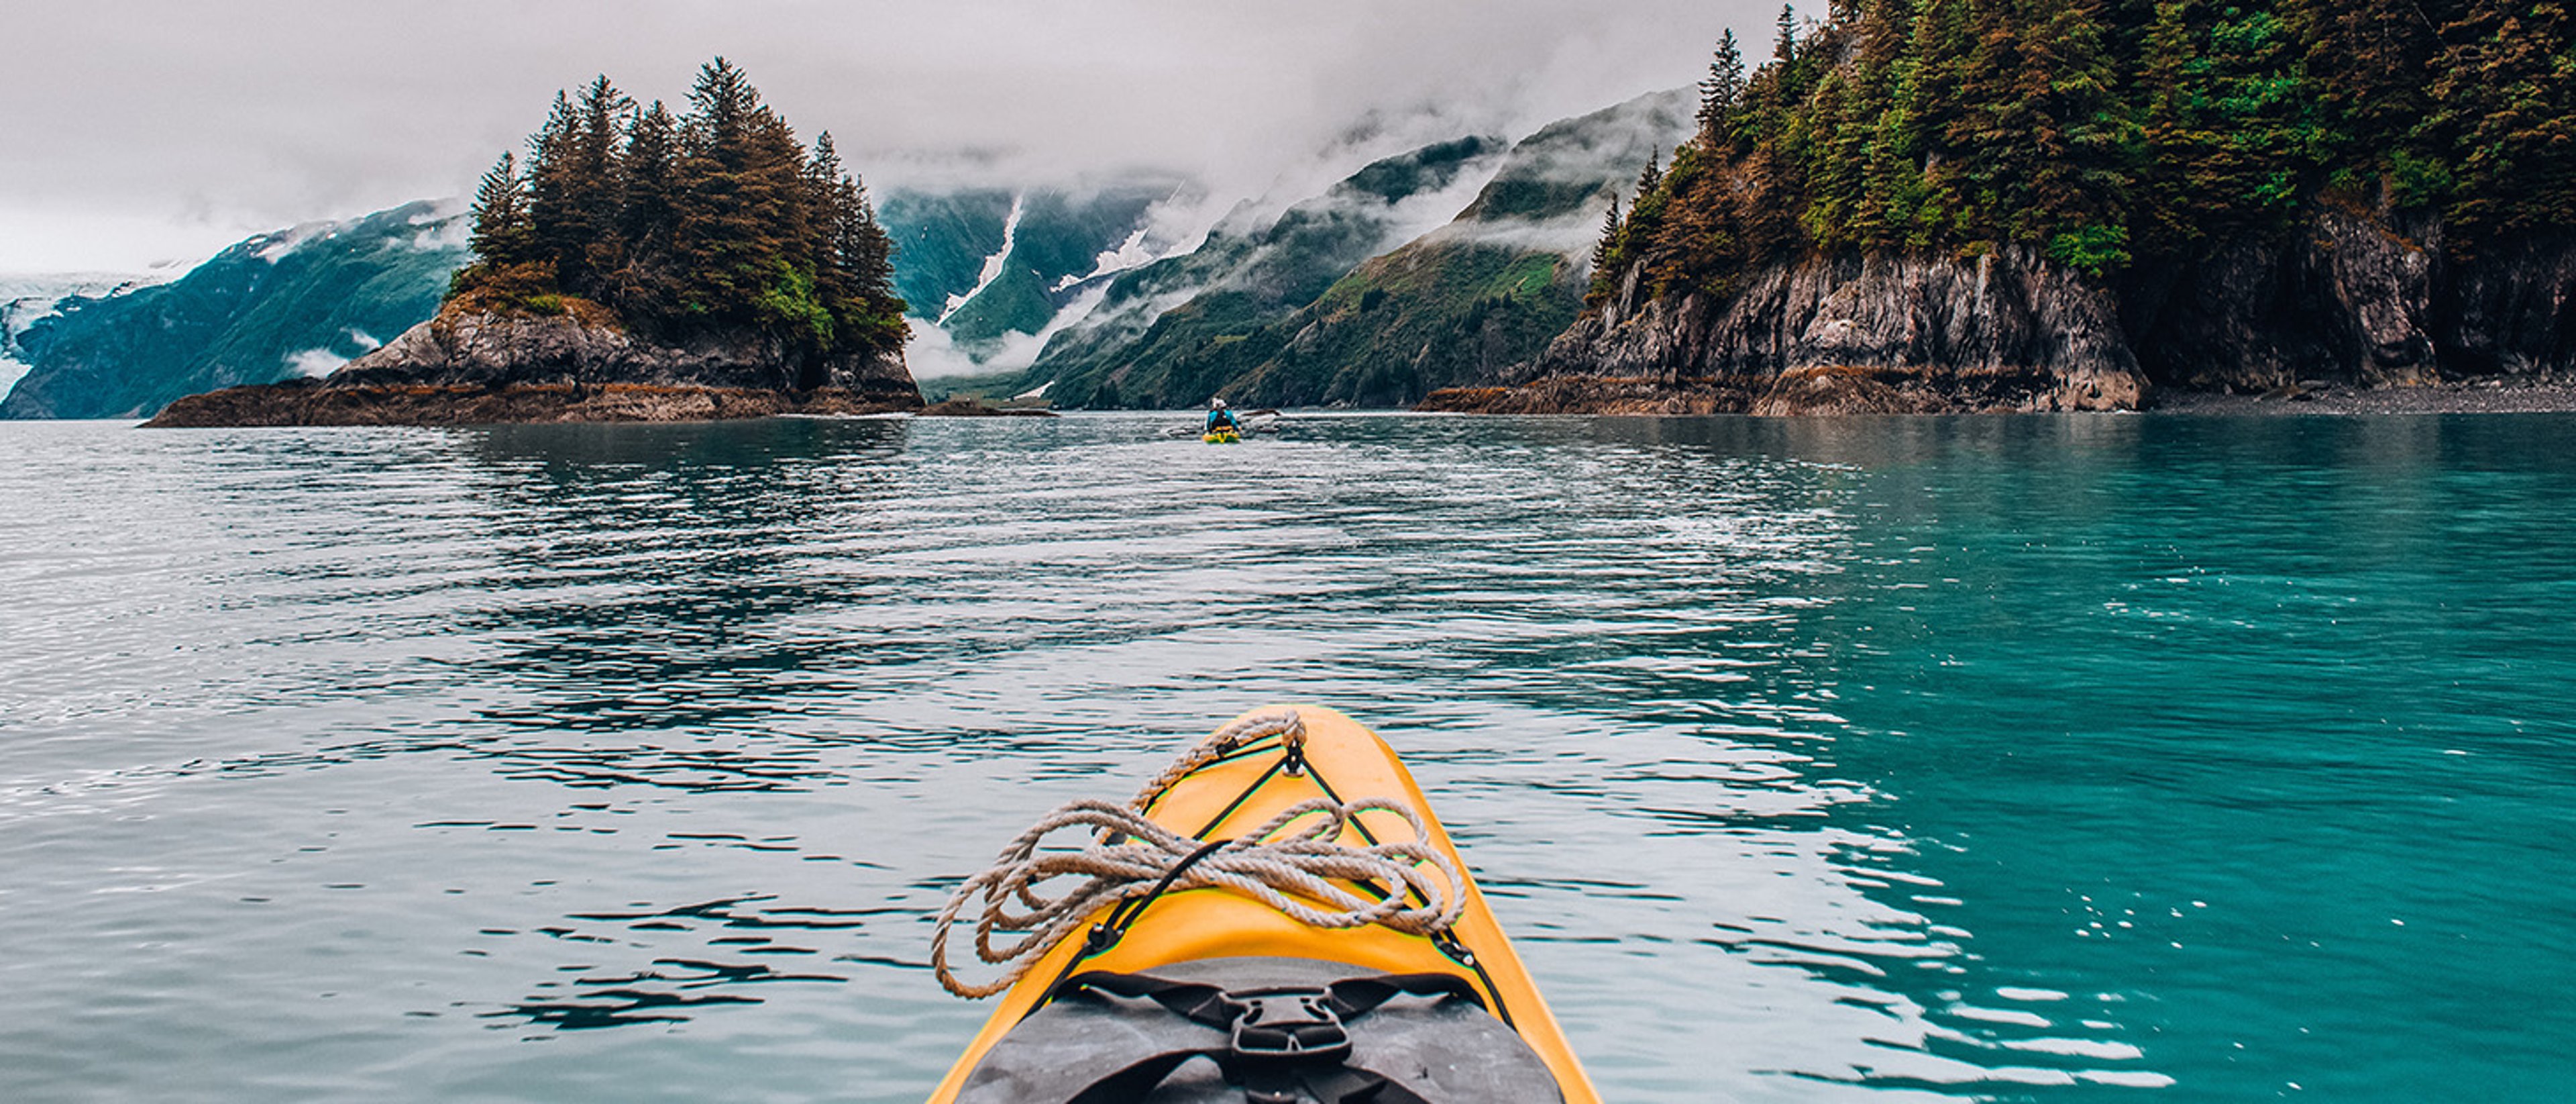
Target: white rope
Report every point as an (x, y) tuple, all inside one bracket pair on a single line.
[(1286, 724), (1294, 863)]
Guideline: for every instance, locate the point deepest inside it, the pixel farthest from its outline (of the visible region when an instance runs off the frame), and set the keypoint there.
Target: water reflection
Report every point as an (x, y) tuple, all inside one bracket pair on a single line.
[(655, 996), (1808, 759)]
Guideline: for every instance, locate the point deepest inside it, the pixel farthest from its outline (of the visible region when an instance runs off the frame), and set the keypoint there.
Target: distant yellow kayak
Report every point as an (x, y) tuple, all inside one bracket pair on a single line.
[(1222, 437), (1191, 989)]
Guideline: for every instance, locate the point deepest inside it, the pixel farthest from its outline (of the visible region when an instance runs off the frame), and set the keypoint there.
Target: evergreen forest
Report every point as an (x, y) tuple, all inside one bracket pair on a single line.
[(719, 217), (2109, 134)]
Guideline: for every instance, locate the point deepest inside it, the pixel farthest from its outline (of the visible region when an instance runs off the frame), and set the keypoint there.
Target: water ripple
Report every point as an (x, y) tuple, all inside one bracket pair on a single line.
[(1910, 758)]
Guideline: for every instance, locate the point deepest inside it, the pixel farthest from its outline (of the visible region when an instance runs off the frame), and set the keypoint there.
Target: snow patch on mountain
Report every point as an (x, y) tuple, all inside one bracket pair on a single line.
[(993, 265), (28, 299), (1133, 253), (933, 353)]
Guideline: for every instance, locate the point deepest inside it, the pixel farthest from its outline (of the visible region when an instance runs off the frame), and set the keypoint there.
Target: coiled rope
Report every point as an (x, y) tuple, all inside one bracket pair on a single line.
[(1293, 859)]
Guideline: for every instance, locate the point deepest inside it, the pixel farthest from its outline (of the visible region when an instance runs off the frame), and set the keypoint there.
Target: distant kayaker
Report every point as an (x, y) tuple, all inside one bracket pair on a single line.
[(1220, 419)]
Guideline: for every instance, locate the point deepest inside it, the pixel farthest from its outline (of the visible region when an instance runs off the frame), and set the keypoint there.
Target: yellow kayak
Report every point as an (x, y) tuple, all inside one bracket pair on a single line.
[(1280, 1010), (1222, 437)]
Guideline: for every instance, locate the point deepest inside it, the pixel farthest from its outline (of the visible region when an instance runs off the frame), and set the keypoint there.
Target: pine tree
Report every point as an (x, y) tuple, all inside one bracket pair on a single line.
[(645, 279), (593, 192), (1786, 45), (2044, 140), (2231, 124), (854, 271), (1721, 90), (719, 238), (502, 235), (1608, 247), (2367, 61), (832, 196), (555, 220), (1652, 176), (1889, 154), (720, 217), (1840, 153), (2504, 96)]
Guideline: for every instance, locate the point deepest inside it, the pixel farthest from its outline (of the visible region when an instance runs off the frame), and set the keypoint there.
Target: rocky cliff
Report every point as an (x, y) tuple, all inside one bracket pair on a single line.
[(475, 363), (1887, 334), (2360, 297), (2351, 296)]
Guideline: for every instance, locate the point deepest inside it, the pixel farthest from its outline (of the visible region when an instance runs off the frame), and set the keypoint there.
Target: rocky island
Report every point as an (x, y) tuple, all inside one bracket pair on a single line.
[(643, 267)]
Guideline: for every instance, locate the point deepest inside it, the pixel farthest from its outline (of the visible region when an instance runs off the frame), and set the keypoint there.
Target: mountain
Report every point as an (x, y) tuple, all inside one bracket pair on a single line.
[(28, 299), (299, 302), (988, 271), (1442, 266), (1345, 299), (1167, 334), (1468, 302)]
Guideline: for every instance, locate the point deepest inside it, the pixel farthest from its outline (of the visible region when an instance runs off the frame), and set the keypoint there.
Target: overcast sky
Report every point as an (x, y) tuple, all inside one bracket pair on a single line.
[(135, 132)]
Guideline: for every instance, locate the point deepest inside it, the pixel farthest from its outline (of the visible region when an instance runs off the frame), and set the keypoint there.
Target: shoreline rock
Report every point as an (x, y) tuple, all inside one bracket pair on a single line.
[(1644, 397), (975, 408), (475, 364), (1631, 396), (1880, 334), (320, 404), (2350, 299), (2317, 398)]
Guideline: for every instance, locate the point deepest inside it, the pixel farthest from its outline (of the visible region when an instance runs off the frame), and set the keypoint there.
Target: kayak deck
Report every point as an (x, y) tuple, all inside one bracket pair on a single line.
[(1236, 794)]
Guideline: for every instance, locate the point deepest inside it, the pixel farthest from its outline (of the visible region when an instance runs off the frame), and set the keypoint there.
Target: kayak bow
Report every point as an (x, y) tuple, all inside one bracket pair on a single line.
[(1440, 1014)]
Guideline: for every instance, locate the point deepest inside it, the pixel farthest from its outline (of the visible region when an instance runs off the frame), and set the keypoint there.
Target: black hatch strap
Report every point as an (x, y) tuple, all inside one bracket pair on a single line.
[(1277, 1040)]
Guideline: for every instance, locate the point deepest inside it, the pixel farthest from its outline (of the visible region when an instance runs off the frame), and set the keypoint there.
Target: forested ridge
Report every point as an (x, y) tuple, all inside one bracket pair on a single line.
[(716, 217), (2107, 133)]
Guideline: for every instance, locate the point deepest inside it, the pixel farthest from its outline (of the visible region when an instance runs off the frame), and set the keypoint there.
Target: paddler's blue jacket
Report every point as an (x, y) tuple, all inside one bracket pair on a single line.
[(1222, 419)]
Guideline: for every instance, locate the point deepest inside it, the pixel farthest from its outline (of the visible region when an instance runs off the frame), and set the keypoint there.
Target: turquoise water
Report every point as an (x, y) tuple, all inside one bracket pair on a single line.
[(2105, 758)]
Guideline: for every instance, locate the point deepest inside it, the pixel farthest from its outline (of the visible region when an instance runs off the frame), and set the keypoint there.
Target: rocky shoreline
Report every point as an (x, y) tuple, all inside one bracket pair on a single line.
[(2489, 395), (1861, 392), (475, 364), (313, 404)]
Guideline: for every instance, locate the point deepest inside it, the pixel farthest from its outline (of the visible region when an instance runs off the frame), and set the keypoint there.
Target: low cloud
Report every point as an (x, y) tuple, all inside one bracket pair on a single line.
[(170, 124), (315, 363)]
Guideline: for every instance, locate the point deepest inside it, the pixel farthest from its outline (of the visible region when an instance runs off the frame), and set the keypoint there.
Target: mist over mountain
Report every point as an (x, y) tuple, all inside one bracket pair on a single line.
[(1137, 346), (989, 271), (1439, 264), (1351, 298)]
